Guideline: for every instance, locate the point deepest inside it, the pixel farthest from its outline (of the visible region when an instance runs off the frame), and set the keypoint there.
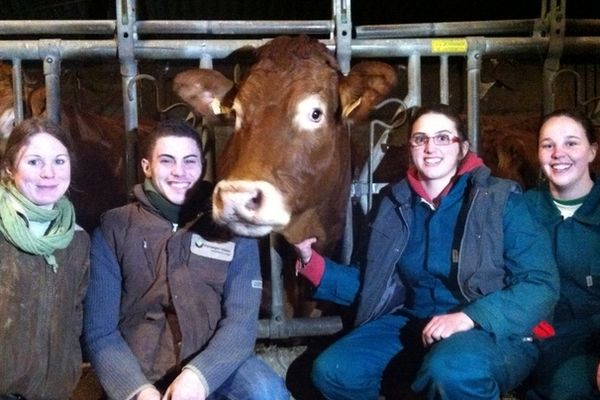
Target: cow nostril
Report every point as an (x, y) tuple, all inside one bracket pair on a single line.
[(255, 201)]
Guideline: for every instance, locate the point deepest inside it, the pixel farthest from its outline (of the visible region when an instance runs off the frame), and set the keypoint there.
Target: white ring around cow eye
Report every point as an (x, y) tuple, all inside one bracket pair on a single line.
[(310, 112)]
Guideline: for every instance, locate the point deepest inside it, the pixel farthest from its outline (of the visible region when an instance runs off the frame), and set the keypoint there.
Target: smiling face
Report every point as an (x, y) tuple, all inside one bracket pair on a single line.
[(436, 164), (564, 154), (174, 166), (42, 170)]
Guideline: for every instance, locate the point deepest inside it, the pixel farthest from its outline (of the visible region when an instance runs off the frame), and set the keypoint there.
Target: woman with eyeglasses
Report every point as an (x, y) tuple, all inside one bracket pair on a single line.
[(568, 206), (455, 277)]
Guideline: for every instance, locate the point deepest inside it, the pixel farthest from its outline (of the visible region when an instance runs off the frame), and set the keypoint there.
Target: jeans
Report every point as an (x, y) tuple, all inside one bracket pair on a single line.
[(468, 365), (253, 380)]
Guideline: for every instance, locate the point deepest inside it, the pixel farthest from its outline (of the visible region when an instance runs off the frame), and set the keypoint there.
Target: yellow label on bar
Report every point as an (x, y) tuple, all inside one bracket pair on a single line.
[(449, 45)]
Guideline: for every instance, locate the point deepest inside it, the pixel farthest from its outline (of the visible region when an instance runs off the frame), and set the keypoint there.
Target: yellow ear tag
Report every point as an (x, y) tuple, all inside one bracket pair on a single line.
[(350, 107), (215, 106)]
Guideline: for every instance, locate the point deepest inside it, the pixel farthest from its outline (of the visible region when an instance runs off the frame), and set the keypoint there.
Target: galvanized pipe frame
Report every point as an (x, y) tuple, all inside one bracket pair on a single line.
[(130, 48)]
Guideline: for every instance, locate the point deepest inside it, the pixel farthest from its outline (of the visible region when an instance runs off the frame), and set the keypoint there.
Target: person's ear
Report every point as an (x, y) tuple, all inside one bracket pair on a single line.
[(146, 168), (464, 148), (204, 163), (594, 148)]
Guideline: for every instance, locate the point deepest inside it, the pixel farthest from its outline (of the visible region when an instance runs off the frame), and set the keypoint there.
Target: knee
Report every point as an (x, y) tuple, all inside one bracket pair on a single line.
[(343, 380), (455, 376), (272, 388), (324, 373), (333, 379), (445, 372)]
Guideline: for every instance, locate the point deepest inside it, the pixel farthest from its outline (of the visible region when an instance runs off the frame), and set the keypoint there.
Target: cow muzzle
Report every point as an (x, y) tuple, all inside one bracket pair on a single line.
[(250, 208)]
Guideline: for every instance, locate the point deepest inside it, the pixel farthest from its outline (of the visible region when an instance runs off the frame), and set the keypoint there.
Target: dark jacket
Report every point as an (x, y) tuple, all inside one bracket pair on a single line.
[(163, 297), (576, 245), (41, 317), (506, 273)]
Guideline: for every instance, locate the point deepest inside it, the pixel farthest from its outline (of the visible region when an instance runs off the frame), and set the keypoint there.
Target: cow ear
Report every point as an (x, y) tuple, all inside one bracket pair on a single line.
[(205, 90), (367, 84), (37, 101)]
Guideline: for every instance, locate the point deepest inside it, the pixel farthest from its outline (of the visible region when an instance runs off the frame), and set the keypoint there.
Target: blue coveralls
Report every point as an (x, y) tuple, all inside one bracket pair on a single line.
[(568, 361), (410, 276)]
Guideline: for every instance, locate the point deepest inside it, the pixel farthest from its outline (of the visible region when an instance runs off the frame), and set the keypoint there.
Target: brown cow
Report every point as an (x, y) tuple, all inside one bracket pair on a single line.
[(286, 168)]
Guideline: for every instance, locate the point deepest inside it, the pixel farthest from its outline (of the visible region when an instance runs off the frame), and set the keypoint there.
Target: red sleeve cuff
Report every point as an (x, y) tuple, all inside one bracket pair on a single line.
[(313, 270), (543, 330)]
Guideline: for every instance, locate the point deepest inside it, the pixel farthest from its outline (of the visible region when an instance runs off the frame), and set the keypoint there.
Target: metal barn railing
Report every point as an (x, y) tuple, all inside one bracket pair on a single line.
[(126, 39)]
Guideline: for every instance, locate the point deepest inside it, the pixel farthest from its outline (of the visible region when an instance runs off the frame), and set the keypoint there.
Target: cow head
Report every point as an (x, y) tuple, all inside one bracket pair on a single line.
[(34, 99), (286, 168), (7, 111)]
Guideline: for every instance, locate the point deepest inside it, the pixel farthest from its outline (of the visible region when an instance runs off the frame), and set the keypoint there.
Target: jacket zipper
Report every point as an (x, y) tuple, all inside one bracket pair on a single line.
[(462, 240)]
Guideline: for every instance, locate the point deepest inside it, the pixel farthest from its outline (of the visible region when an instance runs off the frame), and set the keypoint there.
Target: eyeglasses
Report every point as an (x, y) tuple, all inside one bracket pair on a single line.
[(443, 138)]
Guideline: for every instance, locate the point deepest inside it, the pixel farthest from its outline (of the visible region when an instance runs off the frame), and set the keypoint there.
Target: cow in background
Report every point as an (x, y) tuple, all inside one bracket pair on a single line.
[(98, 176), (509, 147), (286, 168)]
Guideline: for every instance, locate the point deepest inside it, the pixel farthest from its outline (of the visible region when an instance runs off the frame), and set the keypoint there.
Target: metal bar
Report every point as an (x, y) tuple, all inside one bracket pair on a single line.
[(343, 33), (299, 327), (424, 47), (283, 27), (278, 317), (158, 27), (348, 235), (582, 26), (555, 51), (444, 80), (17, 80), (361, 48), (437, 29), (69, 49), (473, 88), (53, 27), (413, 96), (192, 49), (50, 51), (125, 39)]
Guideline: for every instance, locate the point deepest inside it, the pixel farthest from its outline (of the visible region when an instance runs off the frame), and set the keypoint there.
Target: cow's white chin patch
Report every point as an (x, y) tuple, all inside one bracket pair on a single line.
[(250, 208), (249, 230)]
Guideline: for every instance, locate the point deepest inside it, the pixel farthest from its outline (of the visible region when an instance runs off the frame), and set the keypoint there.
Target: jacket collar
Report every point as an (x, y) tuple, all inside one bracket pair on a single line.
[(589, 212), (401, 193), (468, 164)]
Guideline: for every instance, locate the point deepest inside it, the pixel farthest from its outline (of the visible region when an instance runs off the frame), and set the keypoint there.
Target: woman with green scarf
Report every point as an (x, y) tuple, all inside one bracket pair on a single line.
[(44, 266)]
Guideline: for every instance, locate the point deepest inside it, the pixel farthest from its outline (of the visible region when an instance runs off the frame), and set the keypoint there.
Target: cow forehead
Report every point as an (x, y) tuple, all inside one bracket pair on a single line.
[(283, 90)]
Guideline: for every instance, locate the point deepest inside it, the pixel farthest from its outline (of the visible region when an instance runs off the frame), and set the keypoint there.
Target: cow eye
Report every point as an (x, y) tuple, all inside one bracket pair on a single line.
[(309, 112), (316, 115)]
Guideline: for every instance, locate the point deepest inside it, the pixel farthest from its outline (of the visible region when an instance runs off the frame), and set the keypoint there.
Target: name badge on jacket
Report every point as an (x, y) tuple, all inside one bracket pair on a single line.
[(222, 251)]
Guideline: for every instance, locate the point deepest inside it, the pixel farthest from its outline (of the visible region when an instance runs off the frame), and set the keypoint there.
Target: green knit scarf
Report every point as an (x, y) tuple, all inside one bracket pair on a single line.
[(15, 212)]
